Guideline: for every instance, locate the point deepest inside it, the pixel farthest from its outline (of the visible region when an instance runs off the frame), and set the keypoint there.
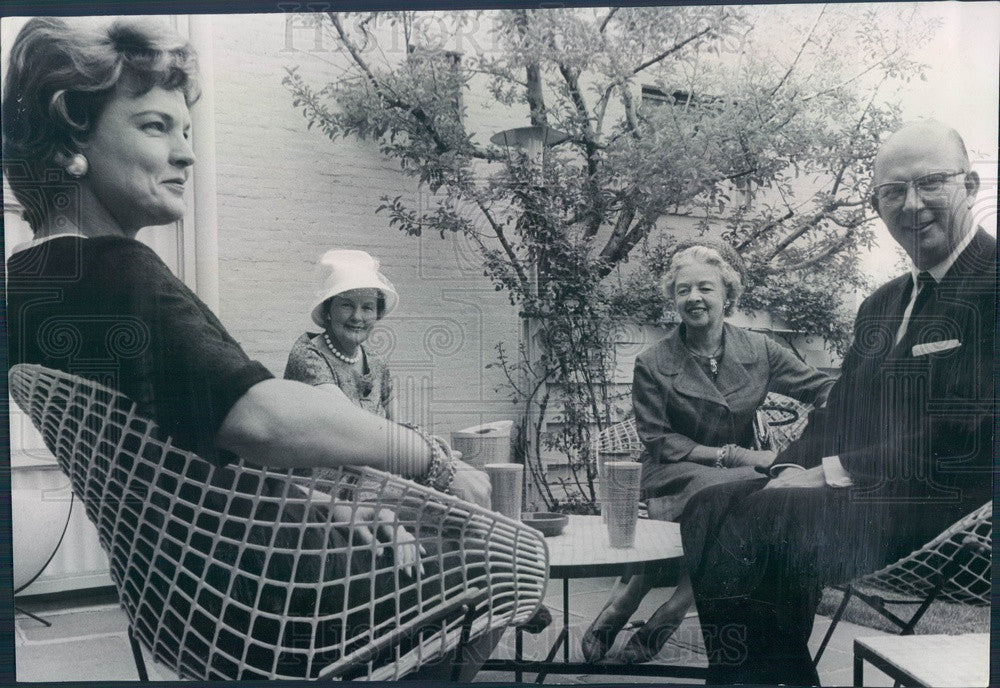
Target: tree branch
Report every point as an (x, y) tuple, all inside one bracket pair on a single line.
[(533, 94), (631, 120), (845, 82), (673, 49), (638, 231), (654, 60), (593, 213), (508, 249), (604, 22), (614, 252), (760, 231), (833, 248), (393, 100), (334, 18), (625, 217), (798, 55), (822, 214)]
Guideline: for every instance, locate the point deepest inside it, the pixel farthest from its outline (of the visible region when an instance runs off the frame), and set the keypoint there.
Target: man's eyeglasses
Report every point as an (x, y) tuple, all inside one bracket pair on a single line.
[(927, 187)]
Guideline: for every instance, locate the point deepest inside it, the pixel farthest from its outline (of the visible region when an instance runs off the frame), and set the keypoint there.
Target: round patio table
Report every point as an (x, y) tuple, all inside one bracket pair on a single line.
[(583, 551)]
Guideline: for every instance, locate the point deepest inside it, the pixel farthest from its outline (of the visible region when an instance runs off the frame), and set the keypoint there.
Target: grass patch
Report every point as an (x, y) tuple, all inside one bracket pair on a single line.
[(941, 617)]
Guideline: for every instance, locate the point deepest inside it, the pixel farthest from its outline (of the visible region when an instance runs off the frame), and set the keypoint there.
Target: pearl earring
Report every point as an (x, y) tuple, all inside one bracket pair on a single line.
[(77, 166)]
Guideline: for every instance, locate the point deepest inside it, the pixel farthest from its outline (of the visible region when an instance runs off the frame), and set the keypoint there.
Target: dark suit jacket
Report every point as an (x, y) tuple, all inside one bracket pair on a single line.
[(910, 423)]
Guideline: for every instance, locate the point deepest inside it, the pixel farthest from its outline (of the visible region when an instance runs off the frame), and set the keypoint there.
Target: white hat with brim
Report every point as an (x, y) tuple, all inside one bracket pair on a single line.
[(341, 270)]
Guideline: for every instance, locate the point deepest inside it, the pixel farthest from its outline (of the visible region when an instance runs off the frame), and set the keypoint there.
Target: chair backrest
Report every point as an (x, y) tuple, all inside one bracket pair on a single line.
[(784, 418), (917, 573), (240, 572), (619, 437)]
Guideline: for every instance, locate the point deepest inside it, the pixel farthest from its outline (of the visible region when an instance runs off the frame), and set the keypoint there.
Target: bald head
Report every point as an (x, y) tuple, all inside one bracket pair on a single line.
[(924, 190), (926, 137)]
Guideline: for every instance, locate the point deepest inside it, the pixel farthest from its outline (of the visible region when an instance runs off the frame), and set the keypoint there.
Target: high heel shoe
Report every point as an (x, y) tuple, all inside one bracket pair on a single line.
[(539, 622), (598, 639), (647, 642)]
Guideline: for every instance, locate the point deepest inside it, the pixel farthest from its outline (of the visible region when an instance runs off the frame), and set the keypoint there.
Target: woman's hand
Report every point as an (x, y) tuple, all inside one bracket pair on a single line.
[(370, 525), (738, 456), (471, 484)]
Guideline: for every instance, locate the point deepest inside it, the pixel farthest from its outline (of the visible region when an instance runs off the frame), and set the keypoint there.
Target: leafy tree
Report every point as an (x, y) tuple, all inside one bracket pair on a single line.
[(757, 125)]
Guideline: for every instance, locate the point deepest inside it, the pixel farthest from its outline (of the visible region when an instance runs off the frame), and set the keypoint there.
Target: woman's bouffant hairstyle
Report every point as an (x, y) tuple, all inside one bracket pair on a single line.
[(62, 74), (720, 256)]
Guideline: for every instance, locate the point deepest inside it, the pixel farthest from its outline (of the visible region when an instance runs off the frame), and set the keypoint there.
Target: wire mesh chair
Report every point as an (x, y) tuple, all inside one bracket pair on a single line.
[(954, 566), (239, 572), (780, 420), (620, 437)]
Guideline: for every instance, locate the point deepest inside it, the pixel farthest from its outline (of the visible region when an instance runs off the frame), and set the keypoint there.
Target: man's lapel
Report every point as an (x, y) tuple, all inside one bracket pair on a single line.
[(938, 319)]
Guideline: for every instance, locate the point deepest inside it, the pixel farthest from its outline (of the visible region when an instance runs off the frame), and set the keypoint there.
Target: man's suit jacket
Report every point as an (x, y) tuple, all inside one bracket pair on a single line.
[(913, 421)]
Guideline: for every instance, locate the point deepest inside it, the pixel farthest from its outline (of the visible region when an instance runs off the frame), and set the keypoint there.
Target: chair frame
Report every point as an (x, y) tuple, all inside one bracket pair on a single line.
[(969, 540), (152, 502), (782, 417)]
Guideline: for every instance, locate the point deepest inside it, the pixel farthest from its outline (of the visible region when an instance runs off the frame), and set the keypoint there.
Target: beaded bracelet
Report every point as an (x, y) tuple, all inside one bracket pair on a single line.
[(441, 469), (441, 472)]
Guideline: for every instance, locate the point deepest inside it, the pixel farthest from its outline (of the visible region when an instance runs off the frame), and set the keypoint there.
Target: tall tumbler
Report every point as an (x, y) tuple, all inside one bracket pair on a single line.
[(622, 492), (602, 479), (506, 483)]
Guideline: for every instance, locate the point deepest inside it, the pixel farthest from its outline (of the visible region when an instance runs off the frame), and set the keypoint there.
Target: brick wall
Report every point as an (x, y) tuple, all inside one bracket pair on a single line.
[(287, 194)]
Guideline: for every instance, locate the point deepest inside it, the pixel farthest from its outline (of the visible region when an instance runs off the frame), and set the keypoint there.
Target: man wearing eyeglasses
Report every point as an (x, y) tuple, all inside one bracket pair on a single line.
[(902, 449)]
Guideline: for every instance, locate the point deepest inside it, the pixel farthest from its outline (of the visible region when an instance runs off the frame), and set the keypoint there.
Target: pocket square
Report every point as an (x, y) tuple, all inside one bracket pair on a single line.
[(935, 347)]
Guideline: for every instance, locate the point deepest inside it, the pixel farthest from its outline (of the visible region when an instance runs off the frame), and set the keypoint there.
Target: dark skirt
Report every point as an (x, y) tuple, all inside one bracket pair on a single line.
[(667, 487)]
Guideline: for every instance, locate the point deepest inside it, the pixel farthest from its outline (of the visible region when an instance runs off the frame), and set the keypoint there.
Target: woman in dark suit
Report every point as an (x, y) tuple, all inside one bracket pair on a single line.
[(695, 395)]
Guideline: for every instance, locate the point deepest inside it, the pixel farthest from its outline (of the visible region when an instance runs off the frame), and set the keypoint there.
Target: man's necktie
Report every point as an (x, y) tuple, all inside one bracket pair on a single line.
[(925, 287)]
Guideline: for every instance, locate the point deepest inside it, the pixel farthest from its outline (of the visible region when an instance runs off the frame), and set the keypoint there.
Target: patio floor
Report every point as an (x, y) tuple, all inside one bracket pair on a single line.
[(87, 641)]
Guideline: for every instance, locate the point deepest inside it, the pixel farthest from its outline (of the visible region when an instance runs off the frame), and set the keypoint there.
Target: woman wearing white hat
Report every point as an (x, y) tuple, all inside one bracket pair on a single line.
[(352, 296)]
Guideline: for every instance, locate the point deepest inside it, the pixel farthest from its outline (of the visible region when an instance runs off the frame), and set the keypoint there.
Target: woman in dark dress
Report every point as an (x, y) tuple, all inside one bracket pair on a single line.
[(695, 395), (96, 146)]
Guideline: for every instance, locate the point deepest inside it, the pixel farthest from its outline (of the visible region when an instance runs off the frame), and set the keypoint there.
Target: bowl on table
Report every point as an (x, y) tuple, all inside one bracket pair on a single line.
[(548, 523)]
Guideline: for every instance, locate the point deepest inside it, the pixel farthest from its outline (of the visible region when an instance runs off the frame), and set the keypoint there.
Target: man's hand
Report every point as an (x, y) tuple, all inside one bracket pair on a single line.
[(811, 477), (471, 484)]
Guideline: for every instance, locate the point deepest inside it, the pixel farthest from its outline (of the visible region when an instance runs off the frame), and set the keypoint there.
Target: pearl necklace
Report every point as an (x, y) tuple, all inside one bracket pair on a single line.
[(349, 360)]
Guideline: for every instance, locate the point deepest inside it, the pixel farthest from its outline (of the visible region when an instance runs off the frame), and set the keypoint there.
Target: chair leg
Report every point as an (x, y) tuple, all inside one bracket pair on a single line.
[(848, 591), (140, 663), (948, 571), (470, 616), (37, 618), (917, 615)]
